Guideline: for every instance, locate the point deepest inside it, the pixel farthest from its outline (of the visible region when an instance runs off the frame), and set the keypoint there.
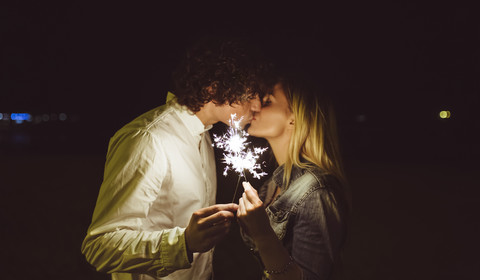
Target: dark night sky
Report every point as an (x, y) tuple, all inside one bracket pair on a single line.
[(399, 64), (396, 64)]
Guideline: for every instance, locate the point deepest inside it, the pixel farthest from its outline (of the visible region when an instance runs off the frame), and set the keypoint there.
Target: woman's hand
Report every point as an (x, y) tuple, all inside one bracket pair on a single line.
[(252, 216), (254, 220)]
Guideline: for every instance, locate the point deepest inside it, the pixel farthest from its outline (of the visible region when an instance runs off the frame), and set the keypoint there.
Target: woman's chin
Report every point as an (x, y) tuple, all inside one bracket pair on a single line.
[(251, 131)]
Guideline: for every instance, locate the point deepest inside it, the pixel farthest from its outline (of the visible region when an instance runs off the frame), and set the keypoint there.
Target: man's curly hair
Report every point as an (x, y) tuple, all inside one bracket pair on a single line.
[(222, 70)]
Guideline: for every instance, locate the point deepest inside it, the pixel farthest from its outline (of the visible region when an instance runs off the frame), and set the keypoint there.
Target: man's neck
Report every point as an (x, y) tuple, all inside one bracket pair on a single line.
[(205, 114)]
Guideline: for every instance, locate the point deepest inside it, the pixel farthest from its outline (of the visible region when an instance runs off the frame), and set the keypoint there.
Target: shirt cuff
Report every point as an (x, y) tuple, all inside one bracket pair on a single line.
[(174, 250)]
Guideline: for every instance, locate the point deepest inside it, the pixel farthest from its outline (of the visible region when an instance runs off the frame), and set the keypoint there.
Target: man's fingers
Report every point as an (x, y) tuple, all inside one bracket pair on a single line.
[(217, 235), (208, 211), (218, 229), (217, 218), (207, 238)]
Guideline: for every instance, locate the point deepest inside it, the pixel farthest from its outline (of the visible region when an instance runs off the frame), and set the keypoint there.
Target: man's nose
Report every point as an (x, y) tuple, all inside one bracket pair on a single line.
[(255, 104)]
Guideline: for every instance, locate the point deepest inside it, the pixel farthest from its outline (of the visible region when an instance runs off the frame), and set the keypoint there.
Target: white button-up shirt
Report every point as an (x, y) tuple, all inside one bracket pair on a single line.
[(160, 168)]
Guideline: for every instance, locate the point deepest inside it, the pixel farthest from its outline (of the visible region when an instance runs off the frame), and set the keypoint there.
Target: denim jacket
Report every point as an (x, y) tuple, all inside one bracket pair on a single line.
[(308, 217)]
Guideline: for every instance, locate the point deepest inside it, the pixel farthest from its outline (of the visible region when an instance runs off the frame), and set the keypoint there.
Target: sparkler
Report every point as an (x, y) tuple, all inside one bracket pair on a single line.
[(237, 156)]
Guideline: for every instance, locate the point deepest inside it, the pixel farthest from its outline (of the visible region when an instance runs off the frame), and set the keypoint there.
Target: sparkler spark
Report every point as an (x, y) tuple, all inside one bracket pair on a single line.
[(237, 156)]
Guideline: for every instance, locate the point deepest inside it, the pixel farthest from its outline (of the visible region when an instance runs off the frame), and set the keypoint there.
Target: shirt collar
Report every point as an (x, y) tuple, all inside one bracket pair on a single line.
[(189, 119)]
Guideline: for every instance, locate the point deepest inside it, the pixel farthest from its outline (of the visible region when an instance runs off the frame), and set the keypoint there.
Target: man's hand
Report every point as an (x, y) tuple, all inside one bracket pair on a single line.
[(208, 226)]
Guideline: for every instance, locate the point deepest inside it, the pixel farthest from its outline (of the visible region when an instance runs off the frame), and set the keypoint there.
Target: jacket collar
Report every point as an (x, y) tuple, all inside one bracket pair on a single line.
[(277, 176)]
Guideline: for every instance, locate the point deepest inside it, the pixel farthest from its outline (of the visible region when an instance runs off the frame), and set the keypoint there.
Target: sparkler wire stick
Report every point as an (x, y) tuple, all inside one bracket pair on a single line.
[(236, 187)]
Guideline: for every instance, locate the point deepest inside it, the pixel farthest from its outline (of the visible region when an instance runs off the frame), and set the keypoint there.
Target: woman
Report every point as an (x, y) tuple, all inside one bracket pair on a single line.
[(297, 221)]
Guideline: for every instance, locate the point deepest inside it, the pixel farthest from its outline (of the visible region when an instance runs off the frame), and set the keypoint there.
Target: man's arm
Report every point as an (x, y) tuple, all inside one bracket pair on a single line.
[(135, 170), (158, 253)]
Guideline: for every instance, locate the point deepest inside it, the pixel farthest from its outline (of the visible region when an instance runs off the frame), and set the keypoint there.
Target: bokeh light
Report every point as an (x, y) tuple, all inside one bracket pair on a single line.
[(62, 116), (20, 117), (444, 114)]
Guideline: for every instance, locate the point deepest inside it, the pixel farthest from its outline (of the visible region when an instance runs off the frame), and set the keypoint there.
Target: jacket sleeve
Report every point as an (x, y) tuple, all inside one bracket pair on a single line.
[(135, 169), (318, 234)]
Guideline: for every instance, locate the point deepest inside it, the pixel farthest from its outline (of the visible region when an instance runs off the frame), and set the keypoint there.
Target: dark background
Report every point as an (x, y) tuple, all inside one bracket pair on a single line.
[(391, 67)]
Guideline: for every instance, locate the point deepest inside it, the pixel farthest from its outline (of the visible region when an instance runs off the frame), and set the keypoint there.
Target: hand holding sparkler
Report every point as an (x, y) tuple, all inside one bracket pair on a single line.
[(237, 156), (255, 223), (252, 215), (208, 226)]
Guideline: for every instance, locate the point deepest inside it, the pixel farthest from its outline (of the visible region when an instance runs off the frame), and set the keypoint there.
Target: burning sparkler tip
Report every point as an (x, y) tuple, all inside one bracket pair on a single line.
[(238, 156)]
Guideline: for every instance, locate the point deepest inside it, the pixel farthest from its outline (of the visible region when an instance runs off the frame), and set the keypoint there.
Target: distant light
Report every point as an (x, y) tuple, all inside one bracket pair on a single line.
[(6, 116), (38, 119), (20, 117), (62, 116), (444, 114), (45, 117), (1, 116)]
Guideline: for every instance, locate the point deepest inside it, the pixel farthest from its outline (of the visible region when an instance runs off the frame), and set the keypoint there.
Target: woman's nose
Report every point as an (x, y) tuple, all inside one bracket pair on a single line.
[(255, 104)]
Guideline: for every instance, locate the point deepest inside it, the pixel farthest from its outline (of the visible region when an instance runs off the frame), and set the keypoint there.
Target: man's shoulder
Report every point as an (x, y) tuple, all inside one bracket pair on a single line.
[(156, 122), (157, 119)]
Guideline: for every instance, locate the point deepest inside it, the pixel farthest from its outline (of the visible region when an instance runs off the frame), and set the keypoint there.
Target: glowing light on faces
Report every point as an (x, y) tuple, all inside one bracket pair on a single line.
[(444, 114), (237, 156)]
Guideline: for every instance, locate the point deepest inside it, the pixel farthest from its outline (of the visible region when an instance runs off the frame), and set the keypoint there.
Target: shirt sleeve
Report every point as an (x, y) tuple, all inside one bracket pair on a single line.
[(135, 169), (318, 234)]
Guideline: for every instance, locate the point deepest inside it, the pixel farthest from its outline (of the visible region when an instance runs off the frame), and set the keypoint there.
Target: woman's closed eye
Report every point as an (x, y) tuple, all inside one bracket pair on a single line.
[(266, 101)]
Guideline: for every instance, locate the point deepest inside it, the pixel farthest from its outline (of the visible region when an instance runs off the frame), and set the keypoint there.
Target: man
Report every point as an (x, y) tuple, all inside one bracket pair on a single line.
[(155, 217)]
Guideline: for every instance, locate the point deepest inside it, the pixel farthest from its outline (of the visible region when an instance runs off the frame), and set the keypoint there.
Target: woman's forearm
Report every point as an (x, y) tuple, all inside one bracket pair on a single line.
[(278, 263), (274, 255)]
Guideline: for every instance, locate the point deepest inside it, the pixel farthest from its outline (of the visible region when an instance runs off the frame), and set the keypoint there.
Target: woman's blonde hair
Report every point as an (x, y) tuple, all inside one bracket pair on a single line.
[(314, 140)]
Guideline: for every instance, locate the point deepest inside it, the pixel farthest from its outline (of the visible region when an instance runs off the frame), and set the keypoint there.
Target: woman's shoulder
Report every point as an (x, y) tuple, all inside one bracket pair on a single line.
[(307, 183), (325, 189), (322, 178), (315, 183), (315, 177)]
